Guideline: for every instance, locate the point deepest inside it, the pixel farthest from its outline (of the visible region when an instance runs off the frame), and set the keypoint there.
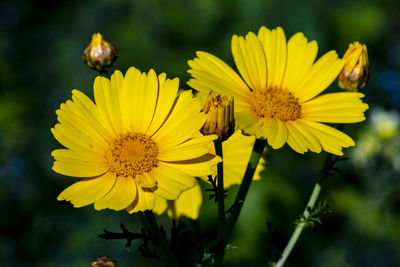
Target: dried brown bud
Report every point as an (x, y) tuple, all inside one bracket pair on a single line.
[(220, 116), (355, 72), (100, 54), (104, 261)]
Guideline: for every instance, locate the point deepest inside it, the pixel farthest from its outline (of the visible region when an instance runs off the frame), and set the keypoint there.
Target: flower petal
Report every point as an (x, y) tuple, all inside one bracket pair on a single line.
[(211, 73), (332, 140), (274, 44), (345, 107), (88, 190), (144, 201), (183, 123), (78, 164), (188, 204), (120, 196), (142, 90), (250, 60), (319, 77), (171, 181), (166, 98), (190, 149), (236, 153), (301, 56)]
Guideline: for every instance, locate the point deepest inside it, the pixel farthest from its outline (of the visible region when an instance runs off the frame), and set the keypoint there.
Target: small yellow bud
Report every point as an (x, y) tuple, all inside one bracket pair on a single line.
[(220, 116), (355, 73), (100, 54), (104, 261)]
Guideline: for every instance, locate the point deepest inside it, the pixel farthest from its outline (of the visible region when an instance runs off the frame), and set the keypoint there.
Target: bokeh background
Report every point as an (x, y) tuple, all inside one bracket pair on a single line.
[(41, 46)]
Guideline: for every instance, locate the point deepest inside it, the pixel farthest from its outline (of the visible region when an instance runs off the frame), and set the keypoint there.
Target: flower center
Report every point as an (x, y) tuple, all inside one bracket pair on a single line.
[(275, 103), (132, 154)]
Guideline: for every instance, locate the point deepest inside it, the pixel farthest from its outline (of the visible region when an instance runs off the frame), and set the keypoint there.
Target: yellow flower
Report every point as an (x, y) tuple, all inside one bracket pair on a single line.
[(236, 154), (277, 97), (139, 140), (355, 73), (100, 54)]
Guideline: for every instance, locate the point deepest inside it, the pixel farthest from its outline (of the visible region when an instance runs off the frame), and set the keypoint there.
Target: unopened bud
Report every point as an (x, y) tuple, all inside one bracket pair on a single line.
[(100, 54), (220, 116), (104, 261), (355, 73)]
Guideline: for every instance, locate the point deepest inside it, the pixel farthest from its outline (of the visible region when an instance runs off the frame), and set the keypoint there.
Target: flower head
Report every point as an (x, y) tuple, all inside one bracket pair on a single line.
[(277, 96), (355, 72), (220, 117), (100, 54), (137, 141)]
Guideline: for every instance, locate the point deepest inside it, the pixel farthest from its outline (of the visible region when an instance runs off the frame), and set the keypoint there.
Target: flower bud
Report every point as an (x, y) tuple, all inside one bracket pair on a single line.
[(355, 73), (220, 118), (104, 261), (100, 54)]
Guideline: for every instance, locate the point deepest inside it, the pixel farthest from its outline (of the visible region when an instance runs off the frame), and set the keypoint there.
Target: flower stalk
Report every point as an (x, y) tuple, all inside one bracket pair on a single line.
[(324, 173), (220, 191), (234, 210)]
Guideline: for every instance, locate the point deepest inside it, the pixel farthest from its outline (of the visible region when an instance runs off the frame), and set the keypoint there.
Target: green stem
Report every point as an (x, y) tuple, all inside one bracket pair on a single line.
[(220, 191), (328, 164), (162, 247), (240, 197)]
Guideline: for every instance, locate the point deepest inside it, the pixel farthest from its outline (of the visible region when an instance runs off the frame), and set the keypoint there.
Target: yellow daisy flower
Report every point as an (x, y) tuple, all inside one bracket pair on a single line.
[(236, 154), (137, 141), (277, 96)]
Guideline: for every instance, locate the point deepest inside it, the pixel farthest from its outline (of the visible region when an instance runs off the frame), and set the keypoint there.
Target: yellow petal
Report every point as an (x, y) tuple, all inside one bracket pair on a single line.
[(84, 107), (332, 140), (250, 60), (167, 95), (146, 180), (295, 140), (75, 139), (246, 120), (301, 56), (144, 201), (171, 181), (183, 123), (78, 164), (102, 91), (274, 45), (188, 204), (190, 149), (345, 107), (211, 73), (75, 125), (202, 166), (278, 135), (319, 77), (88, 190), (303, 135), (142, 90), (120, 196), (160, 205), (236, 153)]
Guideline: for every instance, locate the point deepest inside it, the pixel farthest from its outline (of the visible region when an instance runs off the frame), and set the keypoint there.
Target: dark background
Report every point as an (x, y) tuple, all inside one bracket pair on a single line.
[(41, 46)]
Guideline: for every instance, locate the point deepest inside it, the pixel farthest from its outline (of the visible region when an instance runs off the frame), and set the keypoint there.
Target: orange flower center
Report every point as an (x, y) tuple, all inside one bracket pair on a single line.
[(132, 154), (275, 103)]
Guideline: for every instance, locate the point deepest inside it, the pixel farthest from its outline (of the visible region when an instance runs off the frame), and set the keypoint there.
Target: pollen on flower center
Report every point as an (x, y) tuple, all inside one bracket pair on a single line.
[(132, 154), (275, 103)]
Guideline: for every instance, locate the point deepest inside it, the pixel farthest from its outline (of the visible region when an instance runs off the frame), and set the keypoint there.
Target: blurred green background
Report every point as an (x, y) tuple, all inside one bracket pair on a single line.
[(41, 46)]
